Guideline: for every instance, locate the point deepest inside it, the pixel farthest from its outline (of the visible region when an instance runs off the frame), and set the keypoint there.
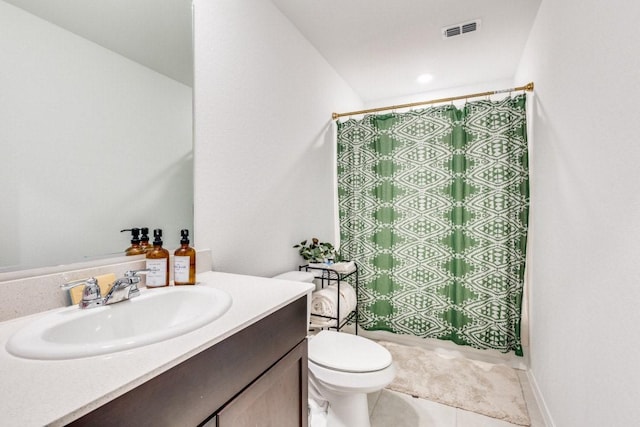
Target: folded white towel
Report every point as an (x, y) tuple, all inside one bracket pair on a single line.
[(338, 267), (325, 302), (343, 267), (321, 322)]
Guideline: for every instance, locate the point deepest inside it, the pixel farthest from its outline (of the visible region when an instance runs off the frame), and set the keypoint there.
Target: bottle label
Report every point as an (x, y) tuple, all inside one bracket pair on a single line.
[(157, 275), (181, 269)]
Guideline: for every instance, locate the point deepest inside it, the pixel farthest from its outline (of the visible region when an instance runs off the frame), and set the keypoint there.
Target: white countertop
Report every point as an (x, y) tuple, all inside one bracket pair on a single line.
[(56, 392)]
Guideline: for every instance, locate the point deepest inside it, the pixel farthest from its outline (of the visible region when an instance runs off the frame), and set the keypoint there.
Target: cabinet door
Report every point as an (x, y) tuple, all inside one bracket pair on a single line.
[(278, 398)]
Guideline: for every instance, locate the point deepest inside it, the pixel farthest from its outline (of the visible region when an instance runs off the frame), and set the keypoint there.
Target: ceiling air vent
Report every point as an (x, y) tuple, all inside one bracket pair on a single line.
[(458, 29)]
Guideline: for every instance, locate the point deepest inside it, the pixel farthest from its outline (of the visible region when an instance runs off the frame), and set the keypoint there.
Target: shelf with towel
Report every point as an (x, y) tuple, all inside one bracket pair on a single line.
[(335, 304)]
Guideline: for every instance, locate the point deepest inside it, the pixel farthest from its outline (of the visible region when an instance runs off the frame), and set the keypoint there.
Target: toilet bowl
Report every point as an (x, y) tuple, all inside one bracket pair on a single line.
[(343, 369)]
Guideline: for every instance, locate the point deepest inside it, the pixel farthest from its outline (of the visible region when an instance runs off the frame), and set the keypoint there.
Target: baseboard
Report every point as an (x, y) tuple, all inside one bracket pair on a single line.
[(542, 406)]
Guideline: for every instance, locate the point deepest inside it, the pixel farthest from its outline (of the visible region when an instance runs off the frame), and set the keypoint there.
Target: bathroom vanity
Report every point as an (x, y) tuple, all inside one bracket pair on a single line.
[(246, 368)]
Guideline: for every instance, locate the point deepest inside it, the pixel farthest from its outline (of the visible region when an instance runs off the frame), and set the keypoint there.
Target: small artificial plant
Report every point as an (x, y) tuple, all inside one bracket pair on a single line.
[(316, 251)]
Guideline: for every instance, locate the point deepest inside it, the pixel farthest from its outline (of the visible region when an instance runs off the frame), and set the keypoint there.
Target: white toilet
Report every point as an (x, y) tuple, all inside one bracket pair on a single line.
[(343, 368)]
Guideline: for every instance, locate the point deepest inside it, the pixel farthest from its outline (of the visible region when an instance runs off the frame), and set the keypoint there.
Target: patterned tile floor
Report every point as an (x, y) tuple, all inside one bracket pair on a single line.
[(391, 409)]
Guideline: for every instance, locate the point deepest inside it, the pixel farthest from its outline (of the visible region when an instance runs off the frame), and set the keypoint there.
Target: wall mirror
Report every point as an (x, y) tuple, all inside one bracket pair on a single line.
[(95, 127)]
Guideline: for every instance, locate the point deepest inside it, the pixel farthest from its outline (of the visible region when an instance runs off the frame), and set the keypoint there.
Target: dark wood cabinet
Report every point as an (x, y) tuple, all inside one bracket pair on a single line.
[(273, 399), (257, 376)]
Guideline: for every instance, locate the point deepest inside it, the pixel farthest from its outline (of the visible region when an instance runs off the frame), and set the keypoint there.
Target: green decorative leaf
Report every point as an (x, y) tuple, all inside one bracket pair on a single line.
[(315, 251)]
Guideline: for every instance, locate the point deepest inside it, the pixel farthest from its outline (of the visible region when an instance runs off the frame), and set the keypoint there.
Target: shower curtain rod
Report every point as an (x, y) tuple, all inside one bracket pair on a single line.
[(528, 88)]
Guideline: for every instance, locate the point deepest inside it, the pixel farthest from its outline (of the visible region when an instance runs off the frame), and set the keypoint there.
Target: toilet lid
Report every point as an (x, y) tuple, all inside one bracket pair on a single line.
[(296, 276), (346, 352)]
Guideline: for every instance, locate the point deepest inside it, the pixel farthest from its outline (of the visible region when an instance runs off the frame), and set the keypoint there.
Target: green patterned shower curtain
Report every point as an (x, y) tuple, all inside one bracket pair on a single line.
[(433, 206)]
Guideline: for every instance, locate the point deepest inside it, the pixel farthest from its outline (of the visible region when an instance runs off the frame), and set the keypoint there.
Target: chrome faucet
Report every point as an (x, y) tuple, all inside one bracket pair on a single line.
[(122, 289)]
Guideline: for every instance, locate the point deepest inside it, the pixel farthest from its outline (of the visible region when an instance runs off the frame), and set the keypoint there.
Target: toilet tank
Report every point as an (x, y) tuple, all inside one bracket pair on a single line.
[(300, 276)]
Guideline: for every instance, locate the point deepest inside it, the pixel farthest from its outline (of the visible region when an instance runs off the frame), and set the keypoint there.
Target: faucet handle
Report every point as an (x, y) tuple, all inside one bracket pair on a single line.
[(130, 275), (91, 295), (74, 283)]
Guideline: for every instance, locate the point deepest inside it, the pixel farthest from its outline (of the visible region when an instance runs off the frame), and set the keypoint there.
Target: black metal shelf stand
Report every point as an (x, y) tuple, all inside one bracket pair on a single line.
[(327, 275)]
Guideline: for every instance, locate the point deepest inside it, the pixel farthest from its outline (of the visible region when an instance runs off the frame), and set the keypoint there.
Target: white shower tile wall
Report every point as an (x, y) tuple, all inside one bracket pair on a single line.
[(33, 291)]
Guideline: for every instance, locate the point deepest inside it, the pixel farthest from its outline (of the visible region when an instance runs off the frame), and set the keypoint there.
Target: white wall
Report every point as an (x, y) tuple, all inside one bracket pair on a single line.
[(263, 137), (430, 95), (584, 59), (90, 143)]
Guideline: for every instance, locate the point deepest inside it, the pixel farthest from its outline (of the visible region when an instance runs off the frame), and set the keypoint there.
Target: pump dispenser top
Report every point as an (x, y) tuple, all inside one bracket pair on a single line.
[(157, 263), (135, 248), (184, 262), (144, 239)]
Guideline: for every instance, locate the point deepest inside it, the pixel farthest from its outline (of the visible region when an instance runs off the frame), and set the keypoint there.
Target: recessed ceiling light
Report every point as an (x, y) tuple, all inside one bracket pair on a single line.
[(424, 78)]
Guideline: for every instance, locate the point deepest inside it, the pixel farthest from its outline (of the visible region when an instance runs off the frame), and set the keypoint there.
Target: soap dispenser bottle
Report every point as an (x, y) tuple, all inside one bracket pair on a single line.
[(135, 248), (157, 263), (184, 262), (144, 239)]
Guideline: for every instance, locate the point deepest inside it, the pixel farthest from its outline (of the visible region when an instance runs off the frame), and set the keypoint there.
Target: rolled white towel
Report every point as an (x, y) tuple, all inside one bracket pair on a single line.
[(343, 267), (349, 294), (325, 301)]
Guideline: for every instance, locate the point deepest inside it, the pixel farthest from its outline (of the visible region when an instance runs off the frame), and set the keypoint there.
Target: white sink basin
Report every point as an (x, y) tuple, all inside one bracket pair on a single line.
[(155, 315)]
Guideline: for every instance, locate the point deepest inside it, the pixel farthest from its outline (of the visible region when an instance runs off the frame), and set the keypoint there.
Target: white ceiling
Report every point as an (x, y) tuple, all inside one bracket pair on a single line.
[(156, 34), (380, 46)]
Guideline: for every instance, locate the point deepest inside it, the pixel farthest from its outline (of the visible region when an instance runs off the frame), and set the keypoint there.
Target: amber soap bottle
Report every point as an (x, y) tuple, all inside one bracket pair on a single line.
[(135, 248), (157, 263), (184, 262)]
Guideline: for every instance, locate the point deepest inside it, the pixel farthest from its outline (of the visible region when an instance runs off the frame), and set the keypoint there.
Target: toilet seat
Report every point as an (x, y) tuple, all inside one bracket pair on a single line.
[(349, 382), (347, 353)]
